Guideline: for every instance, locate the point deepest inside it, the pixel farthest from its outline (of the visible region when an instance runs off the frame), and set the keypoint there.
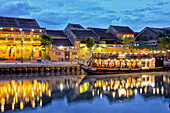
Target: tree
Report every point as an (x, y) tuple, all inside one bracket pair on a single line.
[(142, 46), (129, 43), (89, 43), (31, 56), (45, 42), (164, 44)]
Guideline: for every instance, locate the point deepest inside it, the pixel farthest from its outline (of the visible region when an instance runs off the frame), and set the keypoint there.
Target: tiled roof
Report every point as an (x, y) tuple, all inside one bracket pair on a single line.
[(103, 35), (61, 41), (136, 33), (123, 29), (83, 33), (56, 33), (156, 30), (75, 25), (18, 23)]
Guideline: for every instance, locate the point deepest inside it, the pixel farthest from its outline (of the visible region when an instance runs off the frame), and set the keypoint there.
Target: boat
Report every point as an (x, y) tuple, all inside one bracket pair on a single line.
[(110, 63)]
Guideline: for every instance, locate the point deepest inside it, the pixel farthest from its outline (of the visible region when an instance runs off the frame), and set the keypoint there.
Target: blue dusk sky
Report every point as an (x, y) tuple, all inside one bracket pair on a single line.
[(56, 14)]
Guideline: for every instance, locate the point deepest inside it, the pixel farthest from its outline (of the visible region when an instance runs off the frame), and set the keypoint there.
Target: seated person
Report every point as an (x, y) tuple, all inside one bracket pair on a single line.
[(94, 65)]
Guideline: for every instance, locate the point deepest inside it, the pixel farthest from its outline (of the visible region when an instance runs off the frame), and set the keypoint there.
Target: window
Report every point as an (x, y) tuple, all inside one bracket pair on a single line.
[(17, 39), (74, 53), (18, 51), (109, 45), (2, 39), (36, 39), (10, 39), (27, 39), (57, 53)]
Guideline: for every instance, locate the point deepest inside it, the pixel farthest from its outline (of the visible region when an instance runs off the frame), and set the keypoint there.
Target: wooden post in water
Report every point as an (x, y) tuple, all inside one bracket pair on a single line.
[(68, 70)]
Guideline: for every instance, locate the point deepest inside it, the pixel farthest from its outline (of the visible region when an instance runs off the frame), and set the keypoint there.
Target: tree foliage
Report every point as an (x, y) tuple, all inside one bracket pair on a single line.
[(89, 43), (143, 46), (128, 42), (45, 42), (164, 43)]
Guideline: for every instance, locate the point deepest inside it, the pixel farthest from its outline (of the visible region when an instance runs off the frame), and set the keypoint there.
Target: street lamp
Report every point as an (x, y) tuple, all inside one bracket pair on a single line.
[(21, 51)]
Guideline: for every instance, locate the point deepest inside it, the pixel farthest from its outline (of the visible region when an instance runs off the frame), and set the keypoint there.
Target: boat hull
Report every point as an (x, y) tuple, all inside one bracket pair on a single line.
[(101, 71)]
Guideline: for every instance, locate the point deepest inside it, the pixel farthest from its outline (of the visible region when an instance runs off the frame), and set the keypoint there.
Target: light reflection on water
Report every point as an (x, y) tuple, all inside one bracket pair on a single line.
[(21, 94)]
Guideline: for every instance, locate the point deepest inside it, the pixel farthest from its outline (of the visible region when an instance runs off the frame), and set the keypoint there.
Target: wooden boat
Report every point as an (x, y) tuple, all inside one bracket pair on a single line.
[(90, 69), (96, 71)]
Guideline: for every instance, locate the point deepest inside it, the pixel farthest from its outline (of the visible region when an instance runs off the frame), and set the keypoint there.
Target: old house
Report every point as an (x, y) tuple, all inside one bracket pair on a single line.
[(62, 48), (120, 31), (19, 37), (108, 42), (150, 35)]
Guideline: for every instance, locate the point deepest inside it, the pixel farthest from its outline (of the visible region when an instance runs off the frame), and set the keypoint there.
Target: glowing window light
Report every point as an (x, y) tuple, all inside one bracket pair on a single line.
[(32, 30), (140, 90), (20, 29), (153, 84), (61, 86), (157, 90), (33, 104), (135, 91), (21, 105), (162, 90), (40, 103), (101, 96), (108, 88), (104, 87), (13, 105), (93, 93), (145, 89), (49, 93), (2, 108), (113, 94), (153, 90), (97, 92), (122, 92)]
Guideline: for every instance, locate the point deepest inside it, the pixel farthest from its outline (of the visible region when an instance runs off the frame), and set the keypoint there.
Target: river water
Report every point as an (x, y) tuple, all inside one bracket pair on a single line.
[(130, 93)]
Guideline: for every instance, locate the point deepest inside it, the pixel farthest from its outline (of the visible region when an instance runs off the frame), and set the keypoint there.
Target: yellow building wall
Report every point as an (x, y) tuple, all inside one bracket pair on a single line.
[(125, 35), (12, 48), (113, 49), (55, 57)]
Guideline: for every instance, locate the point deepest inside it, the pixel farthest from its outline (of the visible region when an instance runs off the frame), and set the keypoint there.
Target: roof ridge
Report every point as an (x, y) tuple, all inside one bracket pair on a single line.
[(119, 26), (53, 30), (17, 18), (96, 28)]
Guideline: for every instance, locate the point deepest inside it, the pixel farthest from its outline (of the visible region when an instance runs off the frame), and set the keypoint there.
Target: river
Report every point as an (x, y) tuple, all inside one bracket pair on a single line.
[(130, 93)]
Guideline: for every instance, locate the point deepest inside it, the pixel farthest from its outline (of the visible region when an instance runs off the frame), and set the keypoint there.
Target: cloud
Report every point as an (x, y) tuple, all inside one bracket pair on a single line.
[(162, 3), (49, 18), (17, 9), (94, 13)]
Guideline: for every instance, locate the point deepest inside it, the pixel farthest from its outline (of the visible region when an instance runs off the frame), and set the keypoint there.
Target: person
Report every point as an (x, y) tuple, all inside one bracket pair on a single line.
[(83, 59), (62, 59)]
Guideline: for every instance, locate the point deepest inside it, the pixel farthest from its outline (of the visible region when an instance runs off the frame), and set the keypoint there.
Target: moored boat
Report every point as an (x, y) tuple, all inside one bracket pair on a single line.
[(104, 63)]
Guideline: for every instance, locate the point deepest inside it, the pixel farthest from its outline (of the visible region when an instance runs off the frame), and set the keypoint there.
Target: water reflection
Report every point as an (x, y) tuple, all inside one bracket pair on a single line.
[(18, 94), (126, 87)]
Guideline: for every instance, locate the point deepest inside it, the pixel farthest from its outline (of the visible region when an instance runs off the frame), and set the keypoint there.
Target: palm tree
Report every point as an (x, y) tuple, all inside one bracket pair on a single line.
[(46, 42)]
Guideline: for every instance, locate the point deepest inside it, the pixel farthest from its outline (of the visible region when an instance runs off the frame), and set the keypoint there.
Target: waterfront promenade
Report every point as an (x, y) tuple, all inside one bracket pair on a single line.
[(33, 66)]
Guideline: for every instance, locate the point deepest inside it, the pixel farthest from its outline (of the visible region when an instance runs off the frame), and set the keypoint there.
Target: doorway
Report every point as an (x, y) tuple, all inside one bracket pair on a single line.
[(67, 55)]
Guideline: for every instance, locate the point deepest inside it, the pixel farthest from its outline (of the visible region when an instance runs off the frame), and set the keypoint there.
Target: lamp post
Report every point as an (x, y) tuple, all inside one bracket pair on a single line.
[(21, 51)]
